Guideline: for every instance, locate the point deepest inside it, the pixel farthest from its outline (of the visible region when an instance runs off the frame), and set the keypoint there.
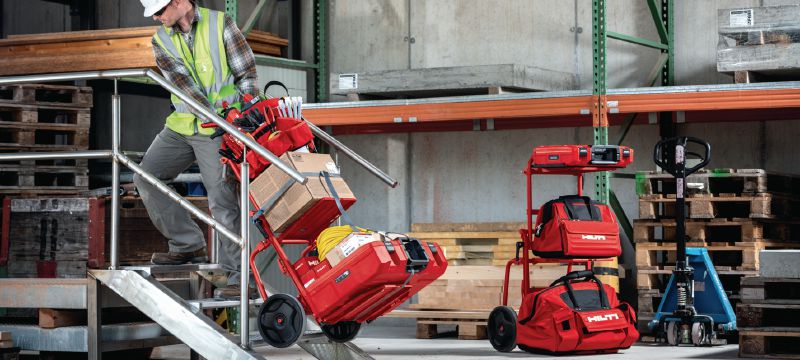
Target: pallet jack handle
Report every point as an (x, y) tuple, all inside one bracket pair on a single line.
[(670, 154)]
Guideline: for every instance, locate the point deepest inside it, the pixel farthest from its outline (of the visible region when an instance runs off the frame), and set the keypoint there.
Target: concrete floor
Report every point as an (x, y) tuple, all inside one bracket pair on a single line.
[(399, 343)]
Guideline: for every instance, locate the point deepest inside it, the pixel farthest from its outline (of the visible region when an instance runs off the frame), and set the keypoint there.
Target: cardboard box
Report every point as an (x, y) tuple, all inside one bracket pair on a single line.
[(349, 245), (289, 199)]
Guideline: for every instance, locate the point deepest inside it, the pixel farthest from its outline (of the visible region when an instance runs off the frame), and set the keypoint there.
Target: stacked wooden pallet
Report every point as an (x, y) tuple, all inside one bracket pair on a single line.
[(128, 48), (768, 318), (44, 118), (735, 215), (473, 283)]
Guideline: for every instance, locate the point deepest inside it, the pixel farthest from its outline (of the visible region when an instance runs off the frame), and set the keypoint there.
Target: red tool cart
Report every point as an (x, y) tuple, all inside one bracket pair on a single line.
[(370, 282), (560, 240)]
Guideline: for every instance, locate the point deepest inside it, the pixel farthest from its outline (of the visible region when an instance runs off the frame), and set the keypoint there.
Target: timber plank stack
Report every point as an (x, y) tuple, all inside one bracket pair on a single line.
[(734, 214), (92, 50), (473, 283), (44, 118)]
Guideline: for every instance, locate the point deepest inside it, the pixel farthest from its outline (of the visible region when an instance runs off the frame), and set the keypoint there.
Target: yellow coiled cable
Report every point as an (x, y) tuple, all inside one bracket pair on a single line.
[(332, 236)]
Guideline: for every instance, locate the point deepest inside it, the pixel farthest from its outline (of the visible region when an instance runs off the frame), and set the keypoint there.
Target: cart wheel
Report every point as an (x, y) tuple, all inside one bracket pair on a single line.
[(672, 333), (700, 334), (341, 332), (281, 320), (502, 328)]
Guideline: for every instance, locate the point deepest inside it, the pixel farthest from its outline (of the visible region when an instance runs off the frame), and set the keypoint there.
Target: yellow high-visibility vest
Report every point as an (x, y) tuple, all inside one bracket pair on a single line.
[(208, 65)]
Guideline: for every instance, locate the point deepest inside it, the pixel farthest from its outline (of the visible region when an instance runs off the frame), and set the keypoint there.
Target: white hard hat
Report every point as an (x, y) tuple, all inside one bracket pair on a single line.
[(152, 6)]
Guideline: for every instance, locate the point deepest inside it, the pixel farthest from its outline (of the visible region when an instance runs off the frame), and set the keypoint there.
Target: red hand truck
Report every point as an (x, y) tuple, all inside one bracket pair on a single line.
[(372, 281)]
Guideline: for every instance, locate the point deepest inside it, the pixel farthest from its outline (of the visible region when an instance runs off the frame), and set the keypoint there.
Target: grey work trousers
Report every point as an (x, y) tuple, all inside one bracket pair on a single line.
[(169, 155)]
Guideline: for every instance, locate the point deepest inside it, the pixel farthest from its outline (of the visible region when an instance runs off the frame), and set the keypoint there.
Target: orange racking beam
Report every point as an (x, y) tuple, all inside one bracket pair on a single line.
[(451, 111), (707, 100)]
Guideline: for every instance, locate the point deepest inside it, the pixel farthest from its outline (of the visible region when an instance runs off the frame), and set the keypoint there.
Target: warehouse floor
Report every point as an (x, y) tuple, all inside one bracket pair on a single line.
[(399, 343)]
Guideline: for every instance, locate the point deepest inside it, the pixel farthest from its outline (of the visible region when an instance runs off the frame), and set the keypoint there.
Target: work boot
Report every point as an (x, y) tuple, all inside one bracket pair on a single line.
[(180, 258), (234, 292)]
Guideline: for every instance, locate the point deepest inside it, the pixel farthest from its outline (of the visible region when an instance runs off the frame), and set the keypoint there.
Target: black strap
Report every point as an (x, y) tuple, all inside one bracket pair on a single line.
[(335, 195), (568, 201), (278, 83), (583, 274)]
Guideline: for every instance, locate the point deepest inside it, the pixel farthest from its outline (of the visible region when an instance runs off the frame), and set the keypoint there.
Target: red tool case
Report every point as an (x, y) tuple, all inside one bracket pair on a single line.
[(375, 279), (572, 156)]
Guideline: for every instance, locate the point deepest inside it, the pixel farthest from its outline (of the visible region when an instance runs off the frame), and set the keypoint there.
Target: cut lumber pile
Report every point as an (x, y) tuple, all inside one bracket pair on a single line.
[(77, 51), (91, 50), (266, 43)]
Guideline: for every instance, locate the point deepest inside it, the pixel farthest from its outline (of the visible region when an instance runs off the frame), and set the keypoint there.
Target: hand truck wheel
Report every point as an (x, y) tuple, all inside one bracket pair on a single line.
[(502, 328), (673, 333), (281, 320), (342, 331)]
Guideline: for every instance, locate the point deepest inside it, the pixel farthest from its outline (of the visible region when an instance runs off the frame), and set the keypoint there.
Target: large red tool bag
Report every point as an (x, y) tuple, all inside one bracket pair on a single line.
[(574, 226), (570, 317)]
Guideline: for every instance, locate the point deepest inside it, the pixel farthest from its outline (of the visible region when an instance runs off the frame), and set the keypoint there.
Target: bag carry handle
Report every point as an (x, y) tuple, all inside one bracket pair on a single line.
[(571, 209), (582, 274)]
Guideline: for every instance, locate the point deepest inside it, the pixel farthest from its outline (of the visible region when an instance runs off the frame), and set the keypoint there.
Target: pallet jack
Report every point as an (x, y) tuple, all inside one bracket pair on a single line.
[(694, 308)]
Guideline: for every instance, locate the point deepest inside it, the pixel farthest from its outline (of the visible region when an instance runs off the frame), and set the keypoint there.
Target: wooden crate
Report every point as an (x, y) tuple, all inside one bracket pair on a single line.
[(657, 279), (758, 206), (43, 179), (760, 290), (74, 232), (26, 127)]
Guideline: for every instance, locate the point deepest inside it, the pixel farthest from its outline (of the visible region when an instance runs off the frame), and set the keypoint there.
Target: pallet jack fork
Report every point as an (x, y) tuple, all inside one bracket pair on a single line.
[(694, 308)]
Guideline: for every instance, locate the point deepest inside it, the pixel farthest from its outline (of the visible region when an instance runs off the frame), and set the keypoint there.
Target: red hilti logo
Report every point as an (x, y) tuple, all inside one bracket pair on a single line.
[(605, 317), (593, 237)]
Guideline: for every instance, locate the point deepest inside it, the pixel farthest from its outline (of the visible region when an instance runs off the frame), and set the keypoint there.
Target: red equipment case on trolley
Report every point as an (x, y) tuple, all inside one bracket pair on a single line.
[(581, 156), (570, 317)]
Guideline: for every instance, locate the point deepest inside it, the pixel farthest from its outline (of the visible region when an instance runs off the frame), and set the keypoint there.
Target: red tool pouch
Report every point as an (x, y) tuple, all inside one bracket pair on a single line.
[(576, 227), (583, 316)]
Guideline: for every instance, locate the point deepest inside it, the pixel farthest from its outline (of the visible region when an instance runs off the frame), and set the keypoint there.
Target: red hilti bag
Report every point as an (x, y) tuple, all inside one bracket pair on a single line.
[(574, 226), (575, 317)]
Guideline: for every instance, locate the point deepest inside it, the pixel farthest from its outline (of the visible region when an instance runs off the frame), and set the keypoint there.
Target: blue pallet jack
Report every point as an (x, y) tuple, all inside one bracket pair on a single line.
[(695, 308)]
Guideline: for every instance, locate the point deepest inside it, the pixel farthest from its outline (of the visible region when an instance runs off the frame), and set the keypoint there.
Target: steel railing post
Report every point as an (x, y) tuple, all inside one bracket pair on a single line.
[(115, 144), (244, 207)]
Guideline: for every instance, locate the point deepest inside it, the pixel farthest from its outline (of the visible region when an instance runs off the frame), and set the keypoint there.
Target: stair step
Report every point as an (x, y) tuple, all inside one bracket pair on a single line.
[(164, 269), (217, 304)]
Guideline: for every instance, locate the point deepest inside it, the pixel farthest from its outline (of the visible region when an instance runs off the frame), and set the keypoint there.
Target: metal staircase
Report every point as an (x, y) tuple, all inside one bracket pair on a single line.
[(174, 306)]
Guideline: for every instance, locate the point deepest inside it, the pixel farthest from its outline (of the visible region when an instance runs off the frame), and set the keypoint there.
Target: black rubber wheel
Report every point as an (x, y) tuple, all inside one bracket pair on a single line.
[(502, 328), (341, 332), (281, 320)]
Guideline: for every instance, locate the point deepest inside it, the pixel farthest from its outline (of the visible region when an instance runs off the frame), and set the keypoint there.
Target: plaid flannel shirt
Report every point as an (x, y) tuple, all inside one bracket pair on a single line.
[(240, 60)]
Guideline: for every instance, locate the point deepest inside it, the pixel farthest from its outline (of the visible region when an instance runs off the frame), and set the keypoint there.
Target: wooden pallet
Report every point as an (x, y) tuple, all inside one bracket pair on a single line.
[(657, 279), (766, 342), (717, 230), (721, 181), (47, 95), (18, 179), (737, 256), (760, 290), (471, 325), (758, 206)]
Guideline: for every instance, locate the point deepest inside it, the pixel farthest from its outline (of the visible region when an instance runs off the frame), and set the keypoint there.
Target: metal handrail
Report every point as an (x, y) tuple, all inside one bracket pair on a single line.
[(118, 157)]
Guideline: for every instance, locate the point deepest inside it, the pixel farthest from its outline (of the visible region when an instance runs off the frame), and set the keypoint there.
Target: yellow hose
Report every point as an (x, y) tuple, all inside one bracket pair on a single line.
[(332, 236)]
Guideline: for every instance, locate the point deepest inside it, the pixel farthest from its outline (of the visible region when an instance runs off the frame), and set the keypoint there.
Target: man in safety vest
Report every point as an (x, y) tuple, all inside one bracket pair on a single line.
[(203, 53)]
